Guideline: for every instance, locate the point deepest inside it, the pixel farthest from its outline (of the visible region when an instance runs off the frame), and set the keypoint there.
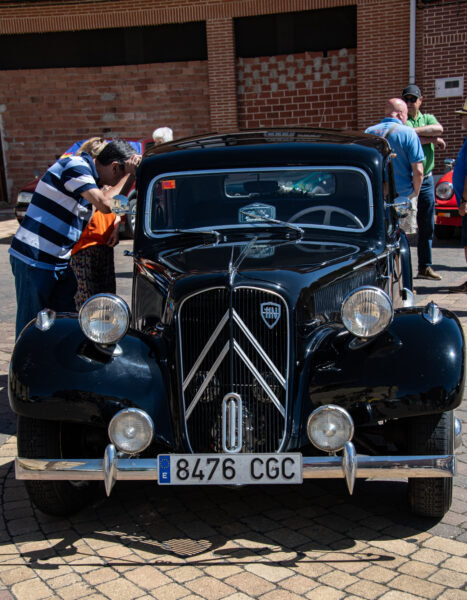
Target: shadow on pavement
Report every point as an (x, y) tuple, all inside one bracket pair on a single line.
[(271, 525)]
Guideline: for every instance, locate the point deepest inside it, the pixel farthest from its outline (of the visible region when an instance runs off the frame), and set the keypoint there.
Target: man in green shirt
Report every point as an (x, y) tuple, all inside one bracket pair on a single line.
[(428, 130)]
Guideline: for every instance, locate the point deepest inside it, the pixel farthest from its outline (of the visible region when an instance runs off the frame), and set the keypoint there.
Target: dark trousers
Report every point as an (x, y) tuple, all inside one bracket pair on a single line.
[(41, 288), (425, 222)]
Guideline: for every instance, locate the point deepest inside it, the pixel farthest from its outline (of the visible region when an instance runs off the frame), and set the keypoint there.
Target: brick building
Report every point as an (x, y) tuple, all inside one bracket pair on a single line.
[(70, 69)]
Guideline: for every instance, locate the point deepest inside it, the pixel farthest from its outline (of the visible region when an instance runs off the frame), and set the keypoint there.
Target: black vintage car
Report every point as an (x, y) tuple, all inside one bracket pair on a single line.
[(273, 335)]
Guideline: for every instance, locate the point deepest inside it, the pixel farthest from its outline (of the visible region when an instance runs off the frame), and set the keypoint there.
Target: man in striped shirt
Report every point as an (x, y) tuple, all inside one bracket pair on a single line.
[(59, 210)]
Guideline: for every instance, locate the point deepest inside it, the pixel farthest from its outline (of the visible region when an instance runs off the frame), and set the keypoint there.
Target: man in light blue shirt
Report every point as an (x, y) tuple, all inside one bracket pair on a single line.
[(405, 143)]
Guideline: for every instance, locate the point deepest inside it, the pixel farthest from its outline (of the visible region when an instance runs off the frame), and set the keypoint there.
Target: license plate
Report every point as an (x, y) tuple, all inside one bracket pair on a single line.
[(229, 469)]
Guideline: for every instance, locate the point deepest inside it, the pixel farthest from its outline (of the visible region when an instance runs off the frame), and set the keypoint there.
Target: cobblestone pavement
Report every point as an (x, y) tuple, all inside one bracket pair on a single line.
[(274, 543)]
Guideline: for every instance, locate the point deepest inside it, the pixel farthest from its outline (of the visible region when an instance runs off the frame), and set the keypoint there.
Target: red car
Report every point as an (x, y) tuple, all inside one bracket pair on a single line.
[(128, 221), (446, 209)]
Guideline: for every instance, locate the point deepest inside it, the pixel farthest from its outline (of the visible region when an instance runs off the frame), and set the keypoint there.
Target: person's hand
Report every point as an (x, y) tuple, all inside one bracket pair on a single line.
[(113, 239), (132, 163), (440, 143), (463, 208)]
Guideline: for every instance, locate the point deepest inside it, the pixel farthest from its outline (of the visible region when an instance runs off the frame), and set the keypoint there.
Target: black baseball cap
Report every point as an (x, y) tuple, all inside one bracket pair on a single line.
[(412, 90)]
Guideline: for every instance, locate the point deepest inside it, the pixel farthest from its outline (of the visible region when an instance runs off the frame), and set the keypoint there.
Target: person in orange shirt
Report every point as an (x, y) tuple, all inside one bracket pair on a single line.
[(92, 257)]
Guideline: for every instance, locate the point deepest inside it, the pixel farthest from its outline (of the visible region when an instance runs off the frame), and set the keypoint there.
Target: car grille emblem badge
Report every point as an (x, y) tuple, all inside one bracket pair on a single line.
[(270, 313), (232, 419)]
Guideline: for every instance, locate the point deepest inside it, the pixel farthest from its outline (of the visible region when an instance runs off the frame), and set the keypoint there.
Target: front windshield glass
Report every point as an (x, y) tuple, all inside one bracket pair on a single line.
[(330, 197)]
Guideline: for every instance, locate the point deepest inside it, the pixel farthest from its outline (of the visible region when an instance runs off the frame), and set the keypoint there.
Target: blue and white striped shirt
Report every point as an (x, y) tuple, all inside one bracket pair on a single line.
[(57, 214)]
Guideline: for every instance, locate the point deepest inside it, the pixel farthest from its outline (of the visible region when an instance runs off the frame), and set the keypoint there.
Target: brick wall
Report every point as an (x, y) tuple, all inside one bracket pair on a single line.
[(45, 111), (442, 36), (305, 90)]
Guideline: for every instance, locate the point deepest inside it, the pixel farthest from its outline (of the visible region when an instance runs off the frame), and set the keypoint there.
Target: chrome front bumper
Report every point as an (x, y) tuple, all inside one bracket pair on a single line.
[(349, 466)]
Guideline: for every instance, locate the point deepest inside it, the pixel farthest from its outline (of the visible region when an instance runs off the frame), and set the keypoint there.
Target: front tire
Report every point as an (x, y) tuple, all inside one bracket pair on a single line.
[(431, 434), (50, 439)]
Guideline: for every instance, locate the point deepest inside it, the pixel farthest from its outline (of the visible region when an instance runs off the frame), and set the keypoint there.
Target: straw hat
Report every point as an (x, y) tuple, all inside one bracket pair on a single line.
[(463, 110)]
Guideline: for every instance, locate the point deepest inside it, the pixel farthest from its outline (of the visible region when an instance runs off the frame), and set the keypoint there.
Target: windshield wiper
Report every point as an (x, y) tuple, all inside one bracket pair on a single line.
[(299, 230), (192, 232)]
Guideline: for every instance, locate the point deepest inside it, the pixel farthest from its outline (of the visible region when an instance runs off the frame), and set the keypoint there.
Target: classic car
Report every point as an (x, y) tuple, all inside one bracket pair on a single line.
[(447, 217), (128, 220), (272, 338)]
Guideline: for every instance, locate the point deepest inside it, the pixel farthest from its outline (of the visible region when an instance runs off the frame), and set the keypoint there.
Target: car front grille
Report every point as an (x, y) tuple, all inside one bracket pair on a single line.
[(234, 342)]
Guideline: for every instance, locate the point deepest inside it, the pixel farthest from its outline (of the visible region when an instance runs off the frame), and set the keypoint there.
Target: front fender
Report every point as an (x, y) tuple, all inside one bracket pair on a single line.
[(60, 375), (415, 367)]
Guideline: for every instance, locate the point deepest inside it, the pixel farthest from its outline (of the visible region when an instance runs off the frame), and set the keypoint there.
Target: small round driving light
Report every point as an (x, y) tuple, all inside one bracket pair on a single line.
[(329, 428), (104, 318), (131, 430), (367, 311)]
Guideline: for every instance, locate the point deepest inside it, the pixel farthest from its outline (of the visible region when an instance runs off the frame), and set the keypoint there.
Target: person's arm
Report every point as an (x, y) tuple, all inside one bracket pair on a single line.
[(463, 200), (417, 177), (98, 199), (437, 141), (432, 130), (113, 238)]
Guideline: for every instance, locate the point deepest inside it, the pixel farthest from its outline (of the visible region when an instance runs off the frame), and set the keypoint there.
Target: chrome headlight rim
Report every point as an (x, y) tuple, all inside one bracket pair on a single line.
[(145, 418), (120, 303), (379, 294), (330, 408), (444, 195)]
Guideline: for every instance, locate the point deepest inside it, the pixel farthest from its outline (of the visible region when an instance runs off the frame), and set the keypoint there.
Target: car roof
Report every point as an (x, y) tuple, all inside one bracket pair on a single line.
[(251, 137)]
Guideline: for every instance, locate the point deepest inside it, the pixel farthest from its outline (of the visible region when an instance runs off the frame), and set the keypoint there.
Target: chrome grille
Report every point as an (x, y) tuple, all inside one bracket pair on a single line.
[(234, 342), (329, 299)]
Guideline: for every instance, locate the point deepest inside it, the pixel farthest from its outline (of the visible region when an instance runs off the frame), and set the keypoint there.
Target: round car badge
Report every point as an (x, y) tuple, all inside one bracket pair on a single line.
[(270, 313)]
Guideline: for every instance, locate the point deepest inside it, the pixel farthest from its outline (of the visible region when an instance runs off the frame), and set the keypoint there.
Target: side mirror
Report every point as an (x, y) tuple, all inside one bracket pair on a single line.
[(120, 205)]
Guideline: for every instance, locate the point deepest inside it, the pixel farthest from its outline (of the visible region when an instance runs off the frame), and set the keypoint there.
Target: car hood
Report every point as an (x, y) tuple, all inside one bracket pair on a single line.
[(279, 256)]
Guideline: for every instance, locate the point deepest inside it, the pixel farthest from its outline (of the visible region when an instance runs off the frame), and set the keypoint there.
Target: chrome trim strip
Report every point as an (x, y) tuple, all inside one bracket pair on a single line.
[(254, 342), (315, 467), (259, 378), (208, 378), (232, 421), (206, 349)]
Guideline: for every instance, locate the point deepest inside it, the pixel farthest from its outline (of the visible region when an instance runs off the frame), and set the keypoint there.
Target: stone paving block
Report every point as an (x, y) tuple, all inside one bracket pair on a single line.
[(222, 571), (325, 593), (74, 591), (299, 584), (97, 576), (453, 595), (427, 555), (338, 579), (271, 572), (120, 589), (209, 588), (280, 595), (449, 578), (32, 589), (63, 580), (237, 596), (14, 575), (456, 564), (250, 584), (425, 589), (172, 591), (366, 589), (182, 574), (393, 595), (147, 577), (446, 545), (417, 568), (395, 546), (377, 574)]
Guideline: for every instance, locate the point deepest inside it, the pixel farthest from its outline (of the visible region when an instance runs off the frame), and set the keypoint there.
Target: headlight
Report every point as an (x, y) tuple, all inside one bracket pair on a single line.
[(329, 428), (131, 430), (104, 318), (24, 197), (367, 311), (444, 190)]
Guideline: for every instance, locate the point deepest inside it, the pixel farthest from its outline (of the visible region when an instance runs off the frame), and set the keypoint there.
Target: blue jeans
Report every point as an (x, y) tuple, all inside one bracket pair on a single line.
[(41, 288), (425, 222)]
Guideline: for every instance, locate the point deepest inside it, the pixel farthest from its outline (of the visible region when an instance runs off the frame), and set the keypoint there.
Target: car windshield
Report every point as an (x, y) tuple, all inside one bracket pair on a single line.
[(330, 197)]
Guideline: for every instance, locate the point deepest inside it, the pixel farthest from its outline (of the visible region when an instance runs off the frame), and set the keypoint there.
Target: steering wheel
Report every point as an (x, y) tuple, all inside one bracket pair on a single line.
[(328, 211)]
